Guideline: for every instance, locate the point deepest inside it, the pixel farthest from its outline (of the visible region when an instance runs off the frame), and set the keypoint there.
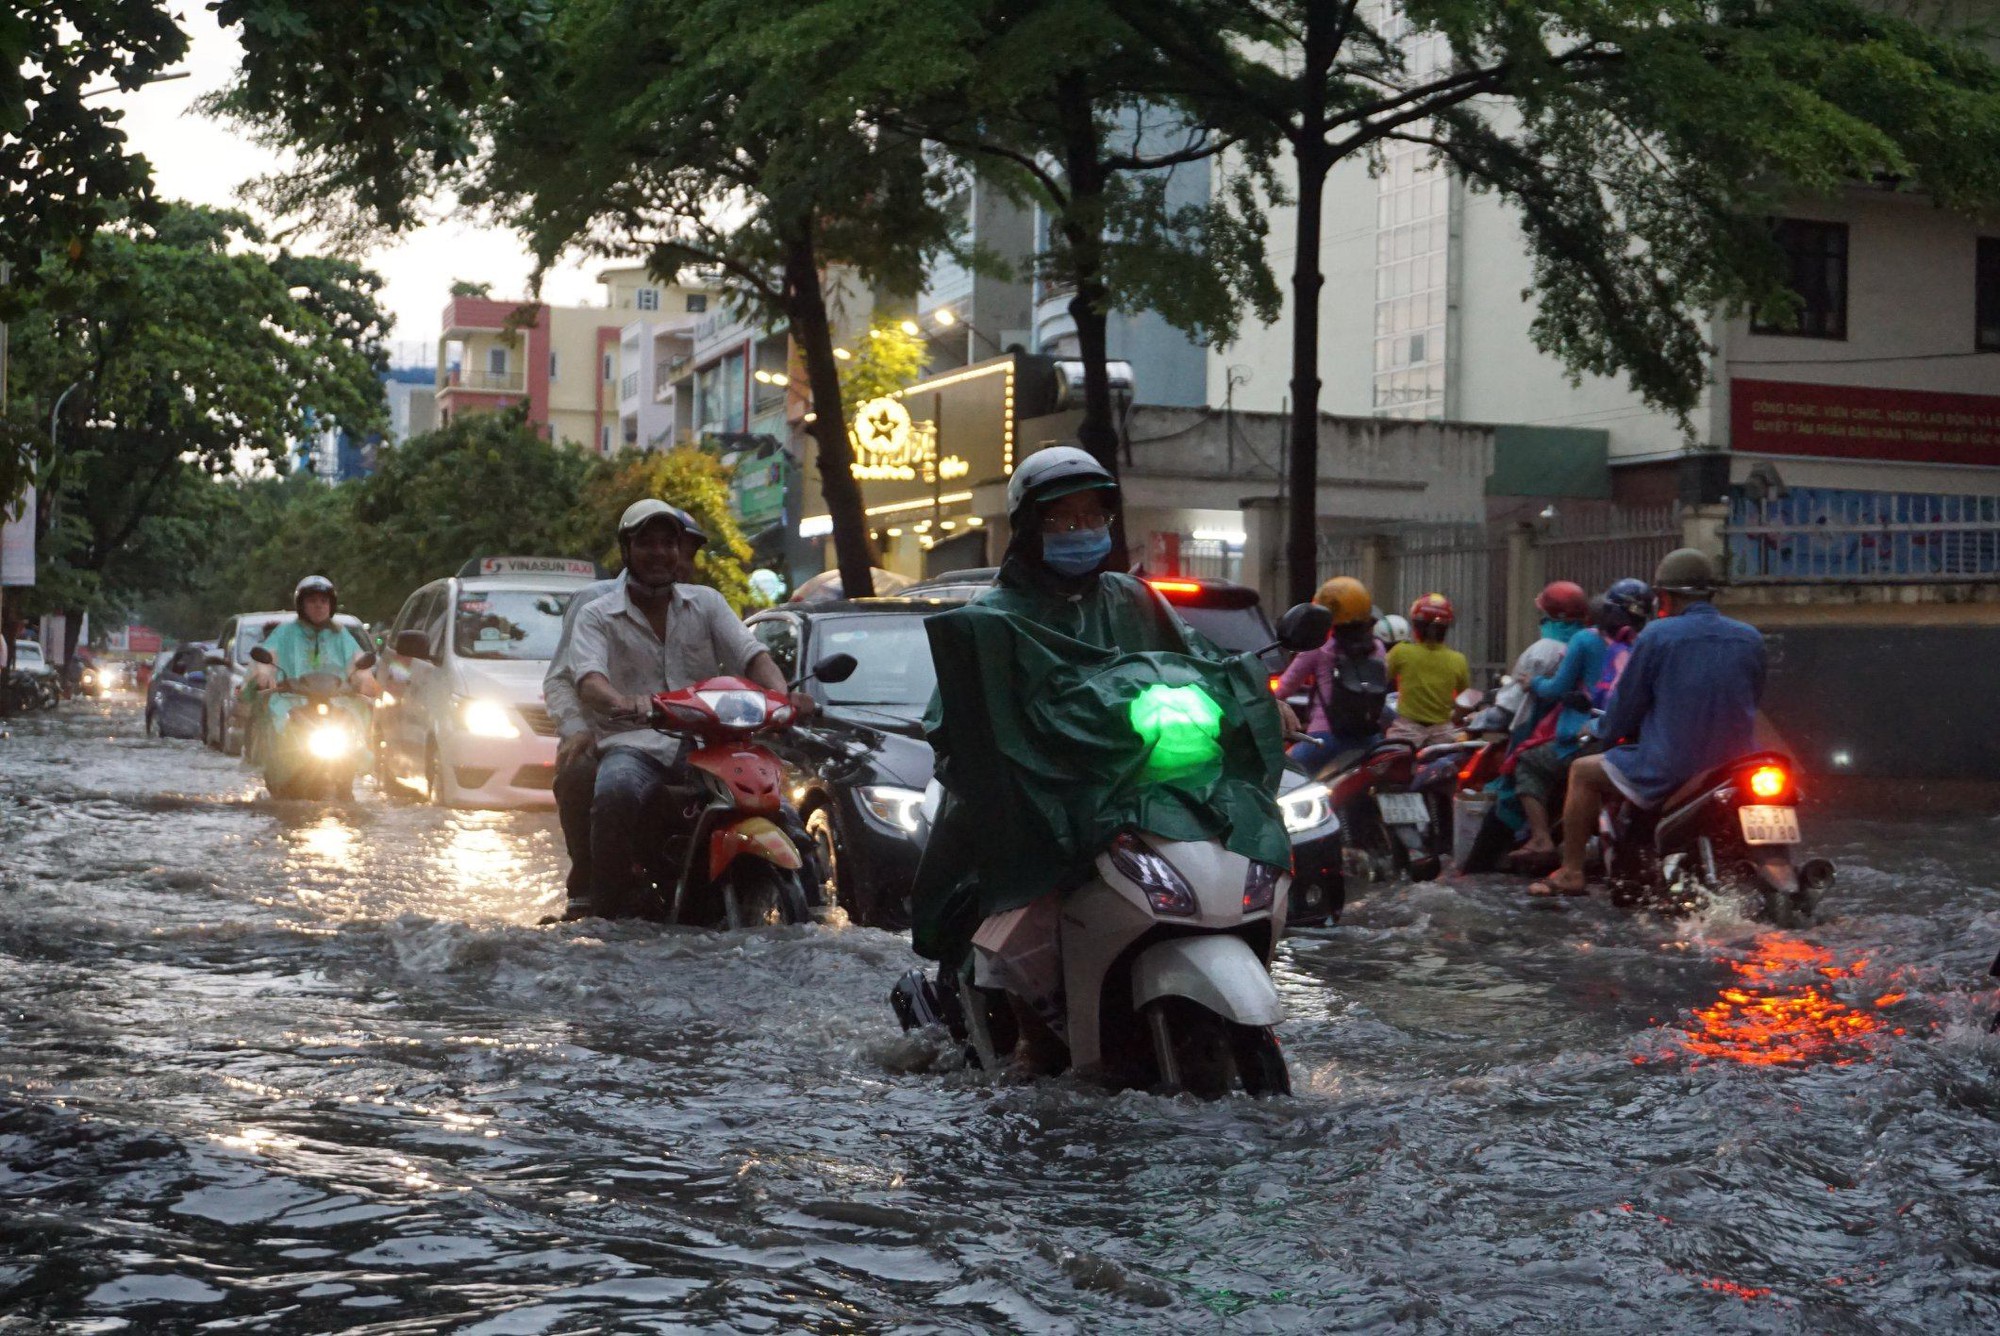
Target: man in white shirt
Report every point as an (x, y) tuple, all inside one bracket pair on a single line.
[(650, 633)]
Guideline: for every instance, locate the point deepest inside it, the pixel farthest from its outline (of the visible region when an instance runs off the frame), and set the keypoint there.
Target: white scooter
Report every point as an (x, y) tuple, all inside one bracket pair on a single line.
[(1163, 977)]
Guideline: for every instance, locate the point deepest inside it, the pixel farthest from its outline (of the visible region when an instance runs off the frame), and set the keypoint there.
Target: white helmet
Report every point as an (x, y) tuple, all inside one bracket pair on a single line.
[(1393, 629), (1051, 473), (313, 584)]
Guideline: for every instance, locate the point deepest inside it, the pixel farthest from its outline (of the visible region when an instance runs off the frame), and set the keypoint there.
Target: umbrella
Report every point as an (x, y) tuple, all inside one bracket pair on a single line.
[(826, 585)]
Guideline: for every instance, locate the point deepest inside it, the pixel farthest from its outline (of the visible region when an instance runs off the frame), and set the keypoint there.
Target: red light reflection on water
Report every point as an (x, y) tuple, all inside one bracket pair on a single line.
[(1784, 1012)]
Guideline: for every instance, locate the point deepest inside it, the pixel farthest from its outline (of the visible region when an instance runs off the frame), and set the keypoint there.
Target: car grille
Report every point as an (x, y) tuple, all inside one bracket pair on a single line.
[(539, 719), (535, 777)]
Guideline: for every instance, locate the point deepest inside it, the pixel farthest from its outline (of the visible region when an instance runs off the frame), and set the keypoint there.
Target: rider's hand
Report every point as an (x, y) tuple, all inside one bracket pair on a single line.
[(1288, 719), (577, 744), (803, 705), (264, 675)]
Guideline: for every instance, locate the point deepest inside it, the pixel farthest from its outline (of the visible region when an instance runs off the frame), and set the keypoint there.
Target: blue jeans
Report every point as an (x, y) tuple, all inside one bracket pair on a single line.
[(625, 833)]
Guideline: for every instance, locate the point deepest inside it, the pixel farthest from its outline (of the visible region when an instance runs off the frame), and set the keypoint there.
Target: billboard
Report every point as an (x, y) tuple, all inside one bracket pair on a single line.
[(1856, 422)]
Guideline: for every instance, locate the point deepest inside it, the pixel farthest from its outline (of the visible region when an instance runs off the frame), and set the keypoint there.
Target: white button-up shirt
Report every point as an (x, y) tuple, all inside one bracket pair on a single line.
[(704, 639)]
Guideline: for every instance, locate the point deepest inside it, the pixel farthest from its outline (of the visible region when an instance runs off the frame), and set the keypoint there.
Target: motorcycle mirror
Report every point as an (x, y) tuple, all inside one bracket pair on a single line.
[(262, 655), (365, 661), (834, 668), (1305, 627)]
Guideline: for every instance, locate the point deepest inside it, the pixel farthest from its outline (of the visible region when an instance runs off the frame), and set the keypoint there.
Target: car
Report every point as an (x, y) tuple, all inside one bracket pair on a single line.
[(222, 719), (28, 658), (461, 669), (858, 775), (176, 697)]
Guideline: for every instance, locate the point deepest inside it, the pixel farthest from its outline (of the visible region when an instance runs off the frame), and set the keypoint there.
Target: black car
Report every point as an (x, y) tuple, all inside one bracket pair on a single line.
[(859, 776), (174, 697)]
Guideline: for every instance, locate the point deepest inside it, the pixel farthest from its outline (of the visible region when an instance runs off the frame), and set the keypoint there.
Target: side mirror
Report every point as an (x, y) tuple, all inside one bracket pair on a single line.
[(834, 668), (1305, 627), (413, 645), (365, 662), (259, 654)]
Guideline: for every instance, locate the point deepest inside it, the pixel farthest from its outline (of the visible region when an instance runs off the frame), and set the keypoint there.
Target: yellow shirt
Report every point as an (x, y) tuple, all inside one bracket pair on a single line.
[(1427, 677)]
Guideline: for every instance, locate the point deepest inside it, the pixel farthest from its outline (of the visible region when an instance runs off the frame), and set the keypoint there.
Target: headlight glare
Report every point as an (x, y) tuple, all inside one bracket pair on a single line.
[(1306, 807), (486, 718), (327, 742), (897, 810)]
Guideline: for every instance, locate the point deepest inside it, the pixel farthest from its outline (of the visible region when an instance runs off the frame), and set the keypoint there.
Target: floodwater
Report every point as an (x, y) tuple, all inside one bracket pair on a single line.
[(292, 1067)]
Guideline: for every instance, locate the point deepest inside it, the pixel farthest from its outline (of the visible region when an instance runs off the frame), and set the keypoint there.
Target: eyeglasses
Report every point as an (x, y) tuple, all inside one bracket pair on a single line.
[(1075, 523)]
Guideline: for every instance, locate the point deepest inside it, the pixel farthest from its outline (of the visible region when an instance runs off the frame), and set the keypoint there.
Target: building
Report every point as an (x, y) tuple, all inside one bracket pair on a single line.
[(564, 363)]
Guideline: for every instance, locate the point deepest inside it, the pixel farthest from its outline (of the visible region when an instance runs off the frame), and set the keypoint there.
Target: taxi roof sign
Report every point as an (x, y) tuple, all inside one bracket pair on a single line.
[(529, 566)]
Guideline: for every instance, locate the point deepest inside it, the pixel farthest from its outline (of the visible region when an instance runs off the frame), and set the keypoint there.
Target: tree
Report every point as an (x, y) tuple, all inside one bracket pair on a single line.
[(888, 360), (1642, 146), (64, 171), (1063, 103), (171, 349)]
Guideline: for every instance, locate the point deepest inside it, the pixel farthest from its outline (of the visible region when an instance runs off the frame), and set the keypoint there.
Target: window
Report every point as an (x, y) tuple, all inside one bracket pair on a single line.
[(1988, 284), (647, 299), (552, 364), (697, 302), (608, 368), (1814, 266), (496, 361), (604, 439)]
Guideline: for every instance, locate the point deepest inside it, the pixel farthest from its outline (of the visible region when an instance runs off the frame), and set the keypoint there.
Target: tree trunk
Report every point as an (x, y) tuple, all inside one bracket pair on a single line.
[(805, 305), (1302, 474)]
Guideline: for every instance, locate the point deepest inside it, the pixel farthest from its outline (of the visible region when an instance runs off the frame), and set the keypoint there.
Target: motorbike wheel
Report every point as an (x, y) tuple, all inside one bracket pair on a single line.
[(833, 884), (433, 775), (152, 725), (1260, 1061), (1780, 909), (228, 742), (1190, 1048), (764, 894)]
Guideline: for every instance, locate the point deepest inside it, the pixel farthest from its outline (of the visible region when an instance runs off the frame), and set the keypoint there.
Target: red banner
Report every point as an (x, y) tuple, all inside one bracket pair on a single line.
[(1848, 422)]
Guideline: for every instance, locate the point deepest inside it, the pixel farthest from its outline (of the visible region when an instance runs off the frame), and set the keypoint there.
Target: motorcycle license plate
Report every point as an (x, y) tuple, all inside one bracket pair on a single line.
[(1403, 809), (1769, 825)]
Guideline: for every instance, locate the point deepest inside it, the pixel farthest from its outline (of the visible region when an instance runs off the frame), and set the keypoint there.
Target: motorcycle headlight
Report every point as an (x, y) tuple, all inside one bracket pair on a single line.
[(328, 742), (897, 810), (1306, 807), (1166, 890), (484, 718), (1260, 886)]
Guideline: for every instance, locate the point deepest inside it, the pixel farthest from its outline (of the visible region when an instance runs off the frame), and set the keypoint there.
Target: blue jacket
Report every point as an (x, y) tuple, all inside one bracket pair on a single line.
[(1581, 667), (1689, 695)]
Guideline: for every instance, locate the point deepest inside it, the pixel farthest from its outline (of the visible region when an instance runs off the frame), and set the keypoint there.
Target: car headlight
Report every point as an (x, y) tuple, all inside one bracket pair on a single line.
[(896, 810), (1307, 807), (328, 742), (484, 718)]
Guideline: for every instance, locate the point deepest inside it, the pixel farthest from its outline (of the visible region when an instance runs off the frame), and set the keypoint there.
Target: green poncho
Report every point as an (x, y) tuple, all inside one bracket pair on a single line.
[(1060, 721)]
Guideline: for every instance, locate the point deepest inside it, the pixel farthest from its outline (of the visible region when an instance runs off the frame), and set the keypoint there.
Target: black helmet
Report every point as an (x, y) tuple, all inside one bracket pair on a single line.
[(1051, 473), (1686, 570), (314, 584)]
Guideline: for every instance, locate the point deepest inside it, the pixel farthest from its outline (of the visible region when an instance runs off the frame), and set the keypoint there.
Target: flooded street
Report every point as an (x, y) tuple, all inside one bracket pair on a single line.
[(291, 1067)]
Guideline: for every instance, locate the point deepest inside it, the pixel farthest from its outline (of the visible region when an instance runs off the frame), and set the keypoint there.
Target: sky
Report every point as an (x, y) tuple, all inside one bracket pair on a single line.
[(205, 161)]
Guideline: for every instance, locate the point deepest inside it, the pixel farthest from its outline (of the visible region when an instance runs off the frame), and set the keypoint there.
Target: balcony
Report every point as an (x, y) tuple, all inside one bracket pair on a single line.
[(484, 382)]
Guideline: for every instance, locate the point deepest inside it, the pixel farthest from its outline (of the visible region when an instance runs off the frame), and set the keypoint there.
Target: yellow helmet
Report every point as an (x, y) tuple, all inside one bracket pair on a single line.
[(1347, 598)]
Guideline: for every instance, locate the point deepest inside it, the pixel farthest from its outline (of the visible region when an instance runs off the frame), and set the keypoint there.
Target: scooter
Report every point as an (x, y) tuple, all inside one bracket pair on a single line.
[(316, 747), (1389, 824), (1164, 978), (739, 864), (1733, 829)]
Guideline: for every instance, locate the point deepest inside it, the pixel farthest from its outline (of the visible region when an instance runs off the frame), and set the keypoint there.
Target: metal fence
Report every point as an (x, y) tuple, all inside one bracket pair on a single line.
[(1466, 563), (1214, 558), (1820, 535), (1596, 546)]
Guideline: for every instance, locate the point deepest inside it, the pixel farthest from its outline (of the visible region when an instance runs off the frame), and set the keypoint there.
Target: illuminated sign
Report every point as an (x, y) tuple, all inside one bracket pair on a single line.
[(891, 447)]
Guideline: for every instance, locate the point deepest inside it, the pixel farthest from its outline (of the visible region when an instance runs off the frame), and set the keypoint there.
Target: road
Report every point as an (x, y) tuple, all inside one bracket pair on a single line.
[(290, 1067)]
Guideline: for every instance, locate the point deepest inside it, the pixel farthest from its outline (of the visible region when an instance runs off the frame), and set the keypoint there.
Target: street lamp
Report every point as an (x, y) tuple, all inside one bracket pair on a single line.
[(948, 318)]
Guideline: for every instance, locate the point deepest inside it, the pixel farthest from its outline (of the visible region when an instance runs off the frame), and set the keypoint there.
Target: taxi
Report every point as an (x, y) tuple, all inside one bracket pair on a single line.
[(461, 715)]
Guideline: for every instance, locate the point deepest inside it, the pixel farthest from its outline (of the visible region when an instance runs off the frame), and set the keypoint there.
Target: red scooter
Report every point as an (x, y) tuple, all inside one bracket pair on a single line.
[(740, 867)]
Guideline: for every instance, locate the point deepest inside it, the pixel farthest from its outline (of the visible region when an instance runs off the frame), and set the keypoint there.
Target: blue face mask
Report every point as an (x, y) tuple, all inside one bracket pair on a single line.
[(1077, 553)]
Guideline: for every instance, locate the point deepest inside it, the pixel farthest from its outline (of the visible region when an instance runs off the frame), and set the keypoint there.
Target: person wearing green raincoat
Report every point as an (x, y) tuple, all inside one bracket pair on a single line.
[(314, 643), (1072, 703)]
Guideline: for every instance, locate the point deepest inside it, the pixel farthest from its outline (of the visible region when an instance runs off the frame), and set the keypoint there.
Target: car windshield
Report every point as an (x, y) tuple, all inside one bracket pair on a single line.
[(249, 635), (1238, 630), (509, 623), (27, 655), (892, 658)]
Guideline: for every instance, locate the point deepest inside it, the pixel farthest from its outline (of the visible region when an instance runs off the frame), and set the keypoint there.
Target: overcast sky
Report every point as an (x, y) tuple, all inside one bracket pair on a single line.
[(204, 161)]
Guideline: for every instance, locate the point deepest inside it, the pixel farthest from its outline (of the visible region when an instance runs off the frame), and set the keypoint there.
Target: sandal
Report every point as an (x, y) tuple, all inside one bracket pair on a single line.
[(1549, 888)]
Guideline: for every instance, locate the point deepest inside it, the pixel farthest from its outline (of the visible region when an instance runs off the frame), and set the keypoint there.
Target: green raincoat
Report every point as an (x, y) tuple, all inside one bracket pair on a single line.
[(1044, 757)]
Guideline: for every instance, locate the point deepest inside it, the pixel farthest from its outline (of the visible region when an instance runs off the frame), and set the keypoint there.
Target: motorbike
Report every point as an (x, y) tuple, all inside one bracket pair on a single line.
[(739, 863), (315, 748), (1733, 829), (1390, 825), (1164, 978)]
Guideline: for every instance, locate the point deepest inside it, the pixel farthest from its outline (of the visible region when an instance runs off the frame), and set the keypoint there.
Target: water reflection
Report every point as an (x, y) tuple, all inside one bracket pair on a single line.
[(1785, 1012), (328, 844)]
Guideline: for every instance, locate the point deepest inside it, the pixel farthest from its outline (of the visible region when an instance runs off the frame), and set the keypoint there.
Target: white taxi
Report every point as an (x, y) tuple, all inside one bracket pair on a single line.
[(461, 714)]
